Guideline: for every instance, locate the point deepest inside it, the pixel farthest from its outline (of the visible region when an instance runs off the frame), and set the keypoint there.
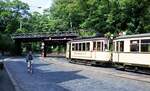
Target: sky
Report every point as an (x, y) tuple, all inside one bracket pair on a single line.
[(35, 4)]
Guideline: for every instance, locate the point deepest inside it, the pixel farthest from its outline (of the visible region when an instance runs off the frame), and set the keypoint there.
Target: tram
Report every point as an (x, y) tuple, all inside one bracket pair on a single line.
[(92, 50), (132, 50)]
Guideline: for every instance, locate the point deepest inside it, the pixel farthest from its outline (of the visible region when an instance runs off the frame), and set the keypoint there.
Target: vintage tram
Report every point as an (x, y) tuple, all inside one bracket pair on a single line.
[(91, 50), (128, 50), (132, 50)]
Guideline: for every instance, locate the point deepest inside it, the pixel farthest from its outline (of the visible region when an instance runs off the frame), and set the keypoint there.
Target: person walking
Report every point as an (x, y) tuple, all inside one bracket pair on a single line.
[(29, 59)]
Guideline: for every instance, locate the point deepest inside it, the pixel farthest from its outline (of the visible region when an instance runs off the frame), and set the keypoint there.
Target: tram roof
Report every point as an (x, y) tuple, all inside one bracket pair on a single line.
[(133, 36), (89, 39)]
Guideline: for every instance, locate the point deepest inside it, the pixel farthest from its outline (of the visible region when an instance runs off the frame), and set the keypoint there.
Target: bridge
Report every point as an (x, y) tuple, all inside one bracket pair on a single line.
[(46, 39)]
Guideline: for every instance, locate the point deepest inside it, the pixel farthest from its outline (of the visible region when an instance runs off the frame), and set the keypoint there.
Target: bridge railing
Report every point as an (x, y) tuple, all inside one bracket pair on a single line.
[(44, 34)]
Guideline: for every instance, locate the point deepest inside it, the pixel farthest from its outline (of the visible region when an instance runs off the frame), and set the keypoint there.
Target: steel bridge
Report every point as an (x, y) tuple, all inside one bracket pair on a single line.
[(46, 38)]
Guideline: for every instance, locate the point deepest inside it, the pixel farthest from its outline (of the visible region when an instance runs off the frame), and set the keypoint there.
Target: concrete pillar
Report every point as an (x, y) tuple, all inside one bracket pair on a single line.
[(45, 50), (18, 49)]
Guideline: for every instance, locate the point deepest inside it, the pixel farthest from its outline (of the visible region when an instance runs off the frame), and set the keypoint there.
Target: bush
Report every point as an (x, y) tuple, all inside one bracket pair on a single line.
[(6, 44), (23, 30)]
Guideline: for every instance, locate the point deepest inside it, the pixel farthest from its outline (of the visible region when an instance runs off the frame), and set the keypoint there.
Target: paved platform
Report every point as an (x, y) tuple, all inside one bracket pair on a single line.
[(56, 74), (5, 82)]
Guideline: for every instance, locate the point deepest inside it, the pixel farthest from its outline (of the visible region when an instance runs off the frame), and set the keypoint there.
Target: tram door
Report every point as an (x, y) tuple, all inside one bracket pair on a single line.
[(98, 46), (69, 50), (119, 49)]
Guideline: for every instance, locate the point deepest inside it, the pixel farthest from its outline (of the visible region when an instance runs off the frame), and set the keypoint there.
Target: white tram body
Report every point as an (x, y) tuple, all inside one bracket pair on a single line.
[(132, 49), (68, 50), (94, 49)]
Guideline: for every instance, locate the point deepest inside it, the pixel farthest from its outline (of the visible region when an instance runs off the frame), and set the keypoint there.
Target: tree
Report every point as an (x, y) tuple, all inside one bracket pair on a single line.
[(10, 14)]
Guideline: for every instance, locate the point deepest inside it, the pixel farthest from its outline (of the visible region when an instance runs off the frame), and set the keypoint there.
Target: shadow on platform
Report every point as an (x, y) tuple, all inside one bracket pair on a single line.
[(43, 73)]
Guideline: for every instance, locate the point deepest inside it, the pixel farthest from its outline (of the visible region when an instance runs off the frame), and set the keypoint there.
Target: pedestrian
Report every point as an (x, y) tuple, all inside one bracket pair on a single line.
[(29, 59)]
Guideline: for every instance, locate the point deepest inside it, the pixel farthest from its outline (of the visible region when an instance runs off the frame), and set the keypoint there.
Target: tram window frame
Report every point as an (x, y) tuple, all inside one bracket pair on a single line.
[(106, 47), (76, 46), (99, 46), (121, 47), (117, 46), (94, 46), (83, 46), (73, 47), (87, 48), (145, 45), (80, 47), (134, 47)]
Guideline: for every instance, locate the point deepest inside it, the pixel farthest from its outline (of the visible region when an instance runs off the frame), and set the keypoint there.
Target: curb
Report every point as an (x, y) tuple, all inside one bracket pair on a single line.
[(17, 88)]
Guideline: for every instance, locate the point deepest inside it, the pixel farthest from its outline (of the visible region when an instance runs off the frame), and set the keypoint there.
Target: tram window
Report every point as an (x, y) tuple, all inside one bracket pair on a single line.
[(94, 45), (106, 47), (76, 46), (73, 47), (145, 45), (83, 46), (117, 46), (134, 45), (113, 46), (79, 46), (87, 46), (99, 46), (121, 46)]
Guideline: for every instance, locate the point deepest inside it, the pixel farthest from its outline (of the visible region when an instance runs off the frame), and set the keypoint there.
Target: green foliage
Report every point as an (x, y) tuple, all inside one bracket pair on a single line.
[(10, 14), (23, 30), (6, 43), (104, 16), (99, 15), (36, 47), (56, 49), (87, 33)]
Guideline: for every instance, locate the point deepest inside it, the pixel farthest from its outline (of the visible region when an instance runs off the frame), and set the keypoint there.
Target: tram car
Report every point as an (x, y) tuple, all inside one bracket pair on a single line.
[(132, 50), (90, 50)]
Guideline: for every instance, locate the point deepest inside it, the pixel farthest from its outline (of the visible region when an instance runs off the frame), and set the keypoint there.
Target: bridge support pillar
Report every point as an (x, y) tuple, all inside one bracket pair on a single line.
[(44, 49)]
